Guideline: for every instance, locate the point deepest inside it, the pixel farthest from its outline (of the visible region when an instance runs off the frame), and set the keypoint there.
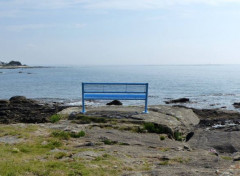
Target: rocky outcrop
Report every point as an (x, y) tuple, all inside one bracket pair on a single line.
[(218, 118), (180, 100), (21, 109), (209, 114), (236, 105), (114, 102)]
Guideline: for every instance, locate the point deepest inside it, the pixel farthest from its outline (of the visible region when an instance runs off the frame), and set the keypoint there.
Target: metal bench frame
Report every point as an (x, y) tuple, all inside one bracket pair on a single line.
[(114, 94)]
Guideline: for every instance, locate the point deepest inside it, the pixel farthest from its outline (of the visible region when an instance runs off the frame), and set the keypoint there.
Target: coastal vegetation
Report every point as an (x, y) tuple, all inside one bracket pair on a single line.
[(55, 118), (66, 135)]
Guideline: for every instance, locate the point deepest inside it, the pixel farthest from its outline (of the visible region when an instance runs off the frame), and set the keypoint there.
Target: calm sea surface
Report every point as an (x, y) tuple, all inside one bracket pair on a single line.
[(206, 86)]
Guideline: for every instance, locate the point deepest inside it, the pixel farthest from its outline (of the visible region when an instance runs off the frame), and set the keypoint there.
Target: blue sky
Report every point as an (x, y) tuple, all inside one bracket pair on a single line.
[(120, 32)]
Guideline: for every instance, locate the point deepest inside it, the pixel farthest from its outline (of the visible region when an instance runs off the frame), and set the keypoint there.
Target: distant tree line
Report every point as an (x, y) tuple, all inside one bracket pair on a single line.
[(11, 63)]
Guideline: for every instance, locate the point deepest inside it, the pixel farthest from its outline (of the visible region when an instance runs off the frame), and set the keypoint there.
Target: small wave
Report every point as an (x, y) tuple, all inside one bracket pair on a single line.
[(222, 126), (74, 104)]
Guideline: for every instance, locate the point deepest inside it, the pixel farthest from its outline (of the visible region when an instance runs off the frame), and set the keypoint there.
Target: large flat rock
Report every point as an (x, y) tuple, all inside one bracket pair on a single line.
[(175, 118)]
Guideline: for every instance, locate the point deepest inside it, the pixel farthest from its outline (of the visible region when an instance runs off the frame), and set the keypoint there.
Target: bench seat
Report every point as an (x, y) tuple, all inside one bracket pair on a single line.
[(102, 96)]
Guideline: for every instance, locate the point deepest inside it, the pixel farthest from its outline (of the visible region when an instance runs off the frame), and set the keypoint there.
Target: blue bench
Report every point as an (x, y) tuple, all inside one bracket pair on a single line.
[(114, 91)]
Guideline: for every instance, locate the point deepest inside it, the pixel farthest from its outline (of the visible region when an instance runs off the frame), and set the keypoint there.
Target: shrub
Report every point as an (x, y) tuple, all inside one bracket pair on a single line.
[(109, 142), (78, 135), (156, 128), (162, 138), (55, 118), (178, 136), (149, 127), (66, 135)]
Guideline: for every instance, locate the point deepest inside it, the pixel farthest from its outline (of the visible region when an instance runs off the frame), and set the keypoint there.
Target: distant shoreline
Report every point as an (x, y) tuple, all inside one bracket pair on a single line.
[(23, 66)]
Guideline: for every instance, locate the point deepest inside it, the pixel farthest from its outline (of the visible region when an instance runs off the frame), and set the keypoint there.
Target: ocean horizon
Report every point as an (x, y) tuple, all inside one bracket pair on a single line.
[(207, 86)]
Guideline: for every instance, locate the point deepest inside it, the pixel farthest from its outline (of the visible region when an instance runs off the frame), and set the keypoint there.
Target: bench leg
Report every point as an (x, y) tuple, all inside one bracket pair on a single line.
[(83, 106), (146, 100), (146, 105)]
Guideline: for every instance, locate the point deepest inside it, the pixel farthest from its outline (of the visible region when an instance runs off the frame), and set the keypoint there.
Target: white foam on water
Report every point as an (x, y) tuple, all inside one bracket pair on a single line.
[(222, 126)]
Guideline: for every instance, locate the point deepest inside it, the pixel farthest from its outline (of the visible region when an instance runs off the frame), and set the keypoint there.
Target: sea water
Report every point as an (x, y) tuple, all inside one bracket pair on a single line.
[(207, 86)]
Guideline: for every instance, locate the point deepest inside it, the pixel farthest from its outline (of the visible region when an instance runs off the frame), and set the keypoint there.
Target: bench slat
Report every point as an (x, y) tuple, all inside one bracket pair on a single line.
[(115, 96), (114, 88)]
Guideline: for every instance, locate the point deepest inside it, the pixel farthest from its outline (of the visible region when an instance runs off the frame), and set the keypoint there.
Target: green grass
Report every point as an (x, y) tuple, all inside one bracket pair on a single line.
[(34, 157), (61, 135), (82, 119), (109, 142), (227, 158), (176, 160), (163, 163), (180, 160), (60, 155), (52, 144), (163, 149), (67, 135), (103, 157), (20, 132)]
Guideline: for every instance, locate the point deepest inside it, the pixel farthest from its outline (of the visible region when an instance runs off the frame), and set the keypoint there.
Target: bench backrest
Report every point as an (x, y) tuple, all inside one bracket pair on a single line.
[(115, 88)]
